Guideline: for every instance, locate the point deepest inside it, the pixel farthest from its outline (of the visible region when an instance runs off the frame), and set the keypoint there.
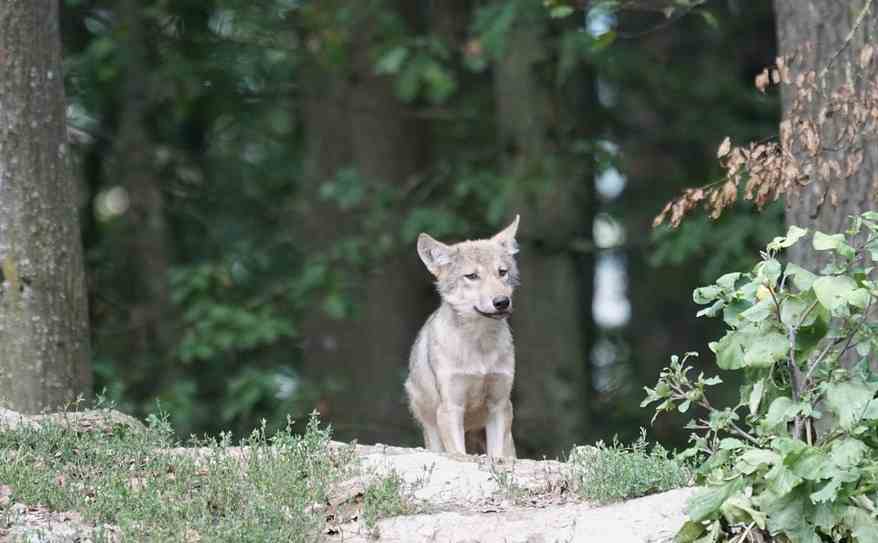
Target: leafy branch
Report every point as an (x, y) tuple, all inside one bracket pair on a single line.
[(808, 441)]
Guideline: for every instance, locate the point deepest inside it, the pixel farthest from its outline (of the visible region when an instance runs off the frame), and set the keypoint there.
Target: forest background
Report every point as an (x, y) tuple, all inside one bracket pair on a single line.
[(254, 174)]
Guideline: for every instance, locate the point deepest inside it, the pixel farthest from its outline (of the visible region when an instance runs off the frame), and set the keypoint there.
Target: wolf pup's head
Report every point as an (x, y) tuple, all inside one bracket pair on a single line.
[(475, 277)]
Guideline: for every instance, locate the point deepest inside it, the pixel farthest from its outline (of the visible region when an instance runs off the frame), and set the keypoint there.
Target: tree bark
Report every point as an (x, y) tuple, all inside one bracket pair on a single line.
[(44, 347), (549, 366), (353, 119), (827, 26), (146, 258)]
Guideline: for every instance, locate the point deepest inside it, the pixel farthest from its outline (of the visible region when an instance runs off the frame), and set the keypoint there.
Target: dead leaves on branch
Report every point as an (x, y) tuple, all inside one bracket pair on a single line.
[(821, 140)]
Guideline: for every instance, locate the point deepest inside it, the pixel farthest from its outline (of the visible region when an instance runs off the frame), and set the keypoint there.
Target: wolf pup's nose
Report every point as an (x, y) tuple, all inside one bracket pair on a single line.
[(501, 303)]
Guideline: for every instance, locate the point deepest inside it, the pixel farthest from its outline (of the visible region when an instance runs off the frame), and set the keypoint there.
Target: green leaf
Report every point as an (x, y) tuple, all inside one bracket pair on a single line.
[(780, 411), (833, 292), (713, 310), (731, 443), (859, 298), (727, 281), (706, 502), (849, 402), (706, 294), (739, 509), (769, 270), (802, 279), (753, 459), (848, 452), (559, 12), (689, 532), (782, 480), (756, 396), (786, 512), (811, 465), (792, 310), (767, 350), (730, 350), (760, 311), (794, 234), (391, 61), (825, 242), (862, 525), (835, 242)]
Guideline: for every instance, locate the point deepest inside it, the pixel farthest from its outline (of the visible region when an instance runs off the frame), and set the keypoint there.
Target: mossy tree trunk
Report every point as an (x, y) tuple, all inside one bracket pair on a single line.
[(44, 348)]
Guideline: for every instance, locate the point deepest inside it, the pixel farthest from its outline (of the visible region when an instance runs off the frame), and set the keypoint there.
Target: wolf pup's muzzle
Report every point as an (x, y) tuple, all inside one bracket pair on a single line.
[(501, 305)]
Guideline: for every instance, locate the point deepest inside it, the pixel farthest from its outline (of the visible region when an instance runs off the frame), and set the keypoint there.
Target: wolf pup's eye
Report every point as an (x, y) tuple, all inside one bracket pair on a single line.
[(472, 276), (502, 272)]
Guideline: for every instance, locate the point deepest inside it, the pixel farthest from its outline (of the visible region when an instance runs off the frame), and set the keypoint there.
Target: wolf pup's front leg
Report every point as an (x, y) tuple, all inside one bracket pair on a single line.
[(462, 364)]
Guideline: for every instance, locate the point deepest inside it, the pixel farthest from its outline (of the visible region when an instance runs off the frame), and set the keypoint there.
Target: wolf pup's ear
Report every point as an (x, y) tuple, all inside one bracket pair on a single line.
[(506, 237), (434, 254)]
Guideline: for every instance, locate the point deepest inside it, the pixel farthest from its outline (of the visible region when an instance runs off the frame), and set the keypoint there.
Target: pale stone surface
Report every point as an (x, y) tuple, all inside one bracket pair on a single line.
[(94, 420), (651, 519), (469, 499)]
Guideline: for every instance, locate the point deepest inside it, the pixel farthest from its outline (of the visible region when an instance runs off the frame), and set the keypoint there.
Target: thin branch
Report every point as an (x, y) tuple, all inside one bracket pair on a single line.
[(847, 39)]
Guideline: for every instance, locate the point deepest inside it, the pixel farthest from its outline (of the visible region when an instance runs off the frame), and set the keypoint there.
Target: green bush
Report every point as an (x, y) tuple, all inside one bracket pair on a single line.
[(610, 473), (795, 458)]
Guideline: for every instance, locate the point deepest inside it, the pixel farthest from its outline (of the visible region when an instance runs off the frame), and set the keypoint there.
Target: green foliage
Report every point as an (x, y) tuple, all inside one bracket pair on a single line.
[(611, 473), (796, 457), (207, 494)]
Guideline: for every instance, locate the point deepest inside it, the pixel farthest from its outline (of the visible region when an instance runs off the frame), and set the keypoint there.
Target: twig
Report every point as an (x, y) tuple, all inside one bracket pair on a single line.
[(746, 532)]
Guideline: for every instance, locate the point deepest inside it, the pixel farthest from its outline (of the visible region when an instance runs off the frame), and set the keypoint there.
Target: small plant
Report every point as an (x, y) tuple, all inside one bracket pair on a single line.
[(504, 477), (795, 458), (606, 474), (386, 497)]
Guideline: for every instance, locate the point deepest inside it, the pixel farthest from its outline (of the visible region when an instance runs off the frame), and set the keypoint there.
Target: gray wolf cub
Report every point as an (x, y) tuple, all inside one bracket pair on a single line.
[(463, 363)]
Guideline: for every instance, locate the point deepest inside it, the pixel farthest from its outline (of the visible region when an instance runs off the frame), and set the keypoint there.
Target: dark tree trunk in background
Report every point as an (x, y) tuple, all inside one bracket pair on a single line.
[(44, 348), (355, 120), (146, 253), (827, 24), (549, 390)]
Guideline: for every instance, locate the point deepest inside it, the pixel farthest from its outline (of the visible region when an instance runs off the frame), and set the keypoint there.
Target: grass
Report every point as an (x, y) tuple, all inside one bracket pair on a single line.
[(385, 497), (127, 480), (611, 473)]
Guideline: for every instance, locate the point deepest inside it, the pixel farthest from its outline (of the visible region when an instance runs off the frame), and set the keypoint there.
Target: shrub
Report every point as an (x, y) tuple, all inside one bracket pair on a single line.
[(795, 458)]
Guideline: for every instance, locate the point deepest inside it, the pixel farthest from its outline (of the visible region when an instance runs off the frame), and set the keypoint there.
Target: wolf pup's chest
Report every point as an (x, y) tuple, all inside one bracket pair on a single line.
[(476, 376)]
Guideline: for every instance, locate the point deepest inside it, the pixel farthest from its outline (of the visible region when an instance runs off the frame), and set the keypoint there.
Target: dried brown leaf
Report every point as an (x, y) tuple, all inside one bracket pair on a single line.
[(866, 55), (724, 147), (854, 161), (763, 80)]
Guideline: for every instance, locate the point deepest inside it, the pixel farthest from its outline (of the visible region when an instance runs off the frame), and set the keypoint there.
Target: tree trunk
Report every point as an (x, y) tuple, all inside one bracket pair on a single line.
[(355, 120), (827, 25), (44, 348), (146, 259), (549, 365)]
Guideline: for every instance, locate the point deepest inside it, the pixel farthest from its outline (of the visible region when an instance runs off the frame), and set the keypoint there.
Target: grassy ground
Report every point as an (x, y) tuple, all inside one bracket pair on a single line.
[(125, 479), (276, 490)]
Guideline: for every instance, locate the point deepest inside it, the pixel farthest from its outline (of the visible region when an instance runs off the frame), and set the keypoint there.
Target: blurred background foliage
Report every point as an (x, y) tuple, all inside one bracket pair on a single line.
[(255, 174)]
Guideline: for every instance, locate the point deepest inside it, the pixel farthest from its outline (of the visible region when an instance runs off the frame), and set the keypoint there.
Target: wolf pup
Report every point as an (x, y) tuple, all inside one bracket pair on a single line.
[(462, 363)]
